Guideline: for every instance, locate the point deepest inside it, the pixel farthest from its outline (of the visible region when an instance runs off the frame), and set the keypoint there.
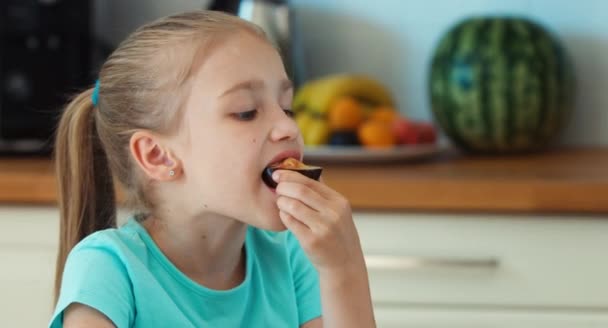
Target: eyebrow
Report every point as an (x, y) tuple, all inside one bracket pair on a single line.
[(252, 85)]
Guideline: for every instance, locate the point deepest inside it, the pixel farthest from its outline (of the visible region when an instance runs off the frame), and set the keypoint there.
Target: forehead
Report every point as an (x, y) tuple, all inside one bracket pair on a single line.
[(240, 57)]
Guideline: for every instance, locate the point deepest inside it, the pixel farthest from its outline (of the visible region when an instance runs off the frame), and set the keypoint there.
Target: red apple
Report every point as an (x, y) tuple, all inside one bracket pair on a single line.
[(426, 133), (414, 133), (405, 131)]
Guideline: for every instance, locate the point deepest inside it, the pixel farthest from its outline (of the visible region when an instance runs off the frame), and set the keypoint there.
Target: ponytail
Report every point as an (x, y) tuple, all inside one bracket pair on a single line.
[(86, 189), (143, 82)]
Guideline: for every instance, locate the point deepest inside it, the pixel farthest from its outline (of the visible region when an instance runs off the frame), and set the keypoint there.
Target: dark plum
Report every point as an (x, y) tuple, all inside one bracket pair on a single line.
[(344, 138), (291, 164)]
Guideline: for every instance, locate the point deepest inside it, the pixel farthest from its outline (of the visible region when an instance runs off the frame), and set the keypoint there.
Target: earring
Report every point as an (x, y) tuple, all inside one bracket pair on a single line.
[(171, 173)]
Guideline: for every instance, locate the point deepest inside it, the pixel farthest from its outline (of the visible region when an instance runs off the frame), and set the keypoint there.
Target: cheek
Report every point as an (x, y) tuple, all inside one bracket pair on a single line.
[(225, 154), (225, 165)]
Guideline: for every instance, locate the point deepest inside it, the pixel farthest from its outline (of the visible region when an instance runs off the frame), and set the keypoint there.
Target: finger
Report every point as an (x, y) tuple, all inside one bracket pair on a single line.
[(287, 175), (303, 193), (298, 228), (300, 212)]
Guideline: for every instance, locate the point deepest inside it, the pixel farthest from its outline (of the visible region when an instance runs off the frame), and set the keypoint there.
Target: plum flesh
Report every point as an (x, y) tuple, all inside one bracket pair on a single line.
[(291, 164)]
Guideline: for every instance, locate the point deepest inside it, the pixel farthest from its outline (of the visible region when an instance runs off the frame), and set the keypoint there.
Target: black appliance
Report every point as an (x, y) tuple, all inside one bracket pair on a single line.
[(45, 57)]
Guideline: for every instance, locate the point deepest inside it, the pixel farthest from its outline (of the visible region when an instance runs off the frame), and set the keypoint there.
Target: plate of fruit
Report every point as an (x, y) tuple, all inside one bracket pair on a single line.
[(353, 118)]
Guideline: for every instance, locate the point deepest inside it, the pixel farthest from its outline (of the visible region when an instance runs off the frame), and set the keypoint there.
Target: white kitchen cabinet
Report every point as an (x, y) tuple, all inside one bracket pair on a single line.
[(28, 247), (471, 318), (426, 270), (497, 270)]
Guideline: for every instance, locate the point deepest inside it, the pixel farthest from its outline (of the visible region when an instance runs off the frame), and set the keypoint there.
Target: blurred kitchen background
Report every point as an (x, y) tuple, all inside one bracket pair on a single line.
[(390, 40), (393, 40), (451, 241)]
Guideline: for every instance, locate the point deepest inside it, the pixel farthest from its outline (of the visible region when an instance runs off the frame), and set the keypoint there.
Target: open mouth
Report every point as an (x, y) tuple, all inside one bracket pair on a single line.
[(291, 164)]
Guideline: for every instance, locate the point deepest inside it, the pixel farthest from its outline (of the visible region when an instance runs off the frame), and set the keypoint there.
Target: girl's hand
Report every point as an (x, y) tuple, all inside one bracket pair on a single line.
[(321, 219)]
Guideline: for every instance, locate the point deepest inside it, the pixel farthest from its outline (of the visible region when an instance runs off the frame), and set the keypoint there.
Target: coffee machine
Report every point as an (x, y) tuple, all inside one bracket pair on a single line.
[(45, 57)]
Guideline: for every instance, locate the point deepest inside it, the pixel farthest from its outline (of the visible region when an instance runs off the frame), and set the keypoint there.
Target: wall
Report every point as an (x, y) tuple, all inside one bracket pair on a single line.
[(394, 39)]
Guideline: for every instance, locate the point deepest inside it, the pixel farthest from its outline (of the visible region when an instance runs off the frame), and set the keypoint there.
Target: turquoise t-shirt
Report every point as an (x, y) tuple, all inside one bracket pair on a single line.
[(124, 275)]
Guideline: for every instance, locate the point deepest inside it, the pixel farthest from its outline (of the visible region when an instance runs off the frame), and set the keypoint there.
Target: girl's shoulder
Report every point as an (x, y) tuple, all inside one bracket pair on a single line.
[(122, 242), (99, 273)]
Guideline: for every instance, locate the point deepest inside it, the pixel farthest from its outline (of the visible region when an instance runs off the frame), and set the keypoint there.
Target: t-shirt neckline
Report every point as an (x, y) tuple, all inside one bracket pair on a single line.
[(184, 279)]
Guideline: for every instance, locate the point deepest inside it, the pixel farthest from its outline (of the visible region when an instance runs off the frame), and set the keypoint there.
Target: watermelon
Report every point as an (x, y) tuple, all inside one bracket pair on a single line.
[(501, 85)]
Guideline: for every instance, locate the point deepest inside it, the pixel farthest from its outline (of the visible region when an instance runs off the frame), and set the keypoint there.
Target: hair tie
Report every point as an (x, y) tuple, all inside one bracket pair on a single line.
[(95, 95)]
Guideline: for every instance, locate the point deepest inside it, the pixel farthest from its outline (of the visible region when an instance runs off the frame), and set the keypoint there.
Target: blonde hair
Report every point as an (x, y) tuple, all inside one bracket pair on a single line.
[(142, 86)]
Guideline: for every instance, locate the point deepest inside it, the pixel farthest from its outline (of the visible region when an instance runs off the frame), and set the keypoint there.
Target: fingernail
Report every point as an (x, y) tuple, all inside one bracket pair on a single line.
[(276, 175)]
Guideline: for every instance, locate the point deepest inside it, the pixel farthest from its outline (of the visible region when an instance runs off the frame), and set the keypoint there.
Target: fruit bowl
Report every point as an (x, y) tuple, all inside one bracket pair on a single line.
[(354, 118), (357, 154)]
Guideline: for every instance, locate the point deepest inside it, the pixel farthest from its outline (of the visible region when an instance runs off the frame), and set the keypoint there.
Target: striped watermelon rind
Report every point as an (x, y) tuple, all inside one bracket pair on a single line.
[(501, 85)]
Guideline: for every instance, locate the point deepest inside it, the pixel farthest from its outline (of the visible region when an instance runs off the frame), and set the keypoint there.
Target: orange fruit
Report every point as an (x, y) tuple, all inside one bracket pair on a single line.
[(376, 134), (345, 113), (367, 110), (384, 114)]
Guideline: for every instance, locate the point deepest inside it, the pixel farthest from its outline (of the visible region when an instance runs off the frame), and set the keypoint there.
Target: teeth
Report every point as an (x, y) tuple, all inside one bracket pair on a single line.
[(292, 164)]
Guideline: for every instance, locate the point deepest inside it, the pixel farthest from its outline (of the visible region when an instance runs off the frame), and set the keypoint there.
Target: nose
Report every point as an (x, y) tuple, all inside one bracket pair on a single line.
[(283, 126)]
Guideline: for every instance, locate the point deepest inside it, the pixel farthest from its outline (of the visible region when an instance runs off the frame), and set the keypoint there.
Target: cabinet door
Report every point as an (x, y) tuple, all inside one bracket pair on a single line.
[(445, 318), (29, 237), (28, 248), (486, 260)]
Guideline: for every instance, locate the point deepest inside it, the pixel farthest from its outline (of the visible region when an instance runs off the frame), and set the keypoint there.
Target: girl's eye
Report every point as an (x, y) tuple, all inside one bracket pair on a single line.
[(246, 116), (289, 112)]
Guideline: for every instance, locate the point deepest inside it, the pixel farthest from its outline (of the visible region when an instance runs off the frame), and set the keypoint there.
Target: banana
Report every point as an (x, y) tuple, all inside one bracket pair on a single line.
[(318, 96), (315, 130), (301, 97), (313, 100), (318, 133)]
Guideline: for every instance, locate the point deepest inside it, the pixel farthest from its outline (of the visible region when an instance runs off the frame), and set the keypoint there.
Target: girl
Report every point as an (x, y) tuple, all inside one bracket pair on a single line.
[(187, 114)]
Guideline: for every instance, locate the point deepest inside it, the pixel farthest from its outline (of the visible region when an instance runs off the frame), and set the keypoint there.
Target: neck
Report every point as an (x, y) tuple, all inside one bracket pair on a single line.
[(208, 249)]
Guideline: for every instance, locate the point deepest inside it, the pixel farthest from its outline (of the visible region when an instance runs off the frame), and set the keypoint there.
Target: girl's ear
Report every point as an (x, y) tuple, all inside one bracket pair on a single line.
[(155, 160)]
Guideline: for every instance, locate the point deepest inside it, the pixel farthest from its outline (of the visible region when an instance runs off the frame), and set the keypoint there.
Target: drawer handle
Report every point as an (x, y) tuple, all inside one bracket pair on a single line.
[(394, 262)]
